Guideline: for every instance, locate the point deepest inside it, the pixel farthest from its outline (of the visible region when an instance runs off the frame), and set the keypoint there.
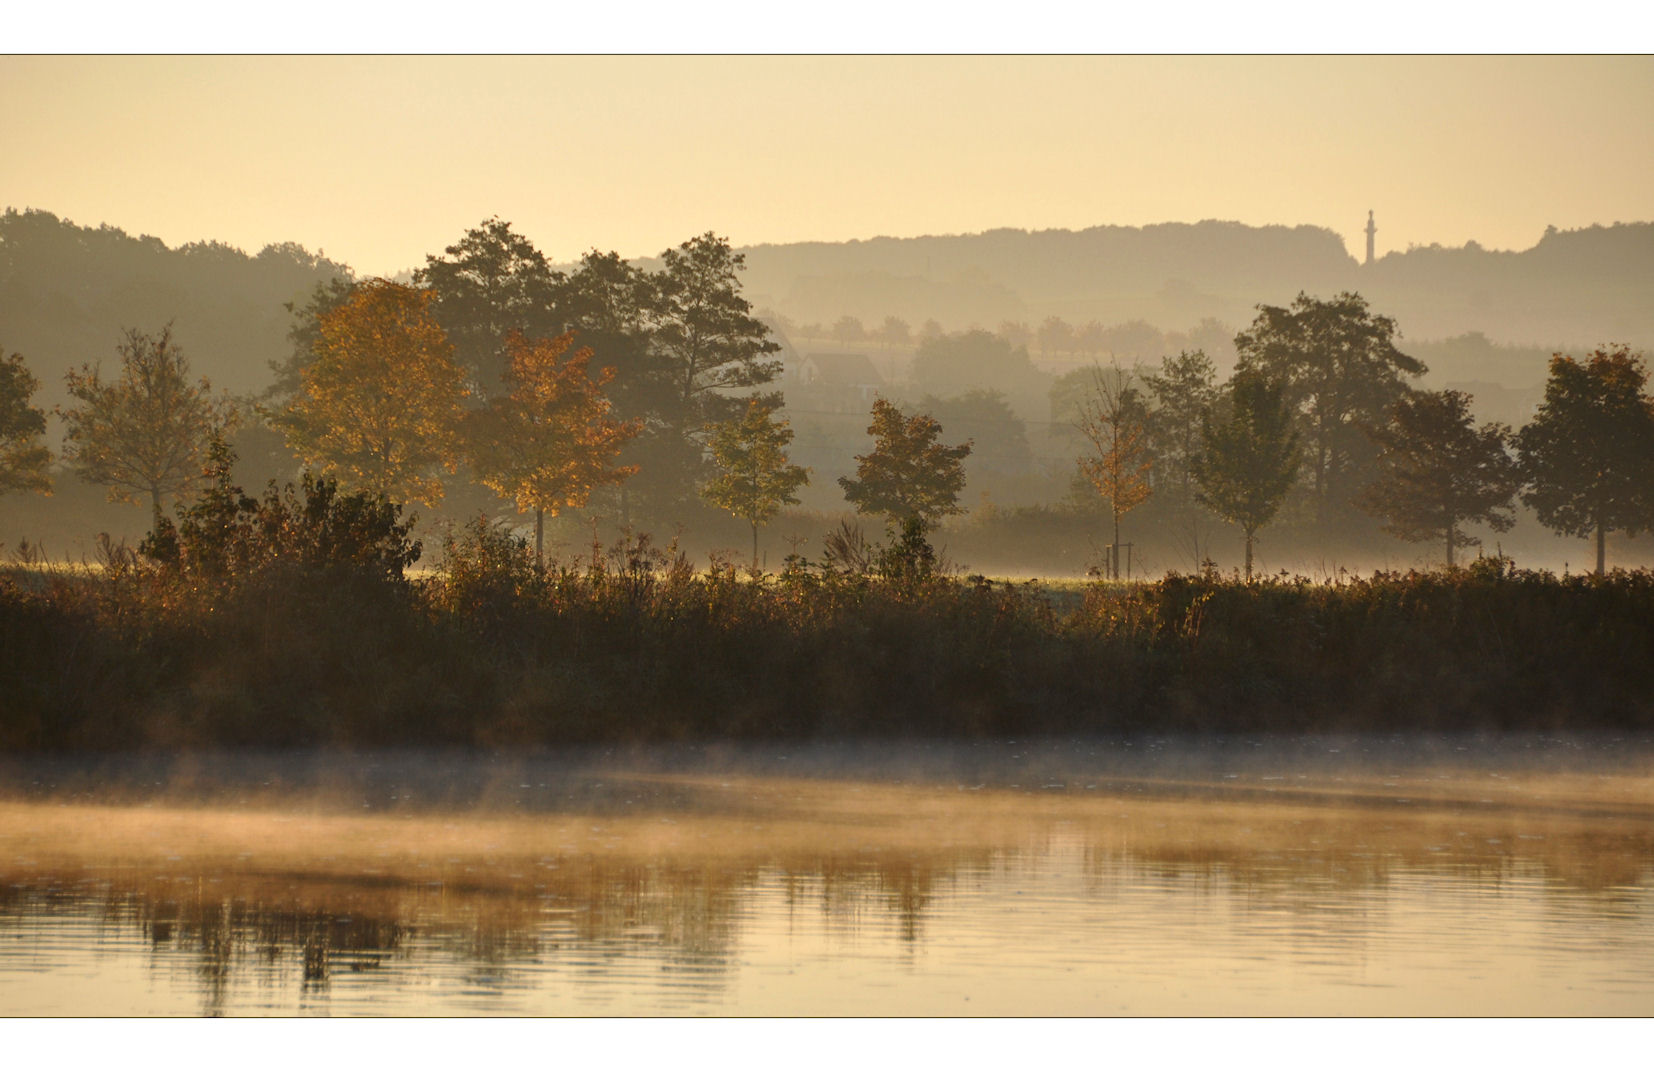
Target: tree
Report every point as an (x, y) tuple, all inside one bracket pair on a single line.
[(705, 330), (1056, 336), (998, 435), (23, 457), (945, 363), (1250, 456), (848, 330), (490, 283), (755, 480), (1438, 470), (1114, 422), (1015, 333), (226, 535), (1340, 369), (303, 333), (552, 437), (908, 474), (895, 332), (380, 407), (148, 431), (1183, 392), (1588, 455), (707, 344)]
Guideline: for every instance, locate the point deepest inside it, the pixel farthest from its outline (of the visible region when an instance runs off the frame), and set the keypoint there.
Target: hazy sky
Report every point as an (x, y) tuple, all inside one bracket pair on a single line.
[(381, 160)]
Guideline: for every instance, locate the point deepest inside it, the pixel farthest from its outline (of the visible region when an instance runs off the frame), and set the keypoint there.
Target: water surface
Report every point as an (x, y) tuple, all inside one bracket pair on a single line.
[(1142, 877)]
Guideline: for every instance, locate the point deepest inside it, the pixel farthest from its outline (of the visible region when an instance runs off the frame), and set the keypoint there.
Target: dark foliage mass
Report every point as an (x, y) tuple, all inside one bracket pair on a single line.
[(631, 644)]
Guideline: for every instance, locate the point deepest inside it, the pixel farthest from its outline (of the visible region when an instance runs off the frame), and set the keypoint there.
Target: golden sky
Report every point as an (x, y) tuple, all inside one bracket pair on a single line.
[(381, 160)]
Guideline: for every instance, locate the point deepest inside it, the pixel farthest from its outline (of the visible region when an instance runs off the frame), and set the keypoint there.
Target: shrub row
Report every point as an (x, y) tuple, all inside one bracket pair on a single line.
[(632, 645)]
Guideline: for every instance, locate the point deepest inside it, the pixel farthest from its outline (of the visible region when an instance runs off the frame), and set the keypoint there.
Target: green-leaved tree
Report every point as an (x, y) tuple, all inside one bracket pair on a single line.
[(1588, 455), (1250, 456), (908, 475), (755, 479), (1437, 470), (1340, 370), (23, 456), (146, 432)]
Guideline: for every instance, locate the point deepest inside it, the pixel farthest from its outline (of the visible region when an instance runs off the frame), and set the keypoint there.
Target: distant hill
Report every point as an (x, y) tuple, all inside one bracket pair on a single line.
[(1571, 289), (67, 292)]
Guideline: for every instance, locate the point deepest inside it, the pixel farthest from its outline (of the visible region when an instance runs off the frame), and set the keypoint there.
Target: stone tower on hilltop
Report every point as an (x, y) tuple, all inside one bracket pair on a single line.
[(1372, 229)]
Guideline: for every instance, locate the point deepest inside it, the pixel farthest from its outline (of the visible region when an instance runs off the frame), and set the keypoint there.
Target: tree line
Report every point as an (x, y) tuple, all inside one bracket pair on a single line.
[(1319, 401), (649, 387)]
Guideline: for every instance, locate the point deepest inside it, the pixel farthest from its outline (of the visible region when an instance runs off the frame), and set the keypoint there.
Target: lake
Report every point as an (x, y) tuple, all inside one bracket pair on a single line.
[(1144, 876)]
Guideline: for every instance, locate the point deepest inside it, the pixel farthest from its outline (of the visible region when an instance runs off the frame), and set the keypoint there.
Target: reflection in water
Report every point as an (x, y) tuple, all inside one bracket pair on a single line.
[(1403, 890)]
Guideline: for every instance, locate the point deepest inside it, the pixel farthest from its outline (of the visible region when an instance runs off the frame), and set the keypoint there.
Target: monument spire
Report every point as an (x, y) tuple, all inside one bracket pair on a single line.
[(1372, 229)]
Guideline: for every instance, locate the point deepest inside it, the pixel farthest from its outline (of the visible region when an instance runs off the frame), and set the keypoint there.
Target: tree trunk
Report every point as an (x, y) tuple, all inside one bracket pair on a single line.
[(1450, 547), (155, 507), (1114, 552), (539, 537), (755, 545), (1602, 547), (1249, 554)]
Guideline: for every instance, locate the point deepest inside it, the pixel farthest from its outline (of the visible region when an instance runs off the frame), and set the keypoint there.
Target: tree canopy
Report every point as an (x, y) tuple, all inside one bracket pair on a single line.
[(1438, 470), (908, 475), (1339, 368), (147, 431), (1588, 454), (487, 285), (1250, 456), (1182, 393), (755, 479), (1117, 462), (23, 457), (552, 437), (379, 408)]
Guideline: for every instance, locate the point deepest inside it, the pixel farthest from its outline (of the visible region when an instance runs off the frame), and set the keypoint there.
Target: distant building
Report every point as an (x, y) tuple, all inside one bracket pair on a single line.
[(1372, 229), (833, 383)]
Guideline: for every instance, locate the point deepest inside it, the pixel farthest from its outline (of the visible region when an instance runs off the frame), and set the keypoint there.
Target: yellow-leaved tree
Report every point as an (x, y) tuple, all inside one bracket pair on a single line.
[(552, 437), (1114, 421), (380, 407)]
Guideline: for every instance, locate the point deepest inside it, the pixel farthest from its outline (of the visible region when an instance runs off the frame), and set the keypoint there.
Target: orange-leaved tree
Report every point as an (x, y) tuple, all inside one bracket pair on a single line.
[(380, 406), (1114, 421), (552, 437)]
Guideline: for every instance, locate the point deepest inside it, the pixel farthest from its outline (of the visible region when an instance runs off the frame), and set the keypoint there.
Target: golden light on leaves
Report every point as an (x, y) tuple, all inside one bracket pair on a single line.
[(380, 408)]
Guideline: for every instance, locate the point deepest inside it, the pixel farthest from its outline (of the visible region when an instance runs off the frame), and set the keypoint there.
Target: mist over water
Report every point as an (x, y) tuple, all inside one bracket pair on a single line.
[(1147, 875)]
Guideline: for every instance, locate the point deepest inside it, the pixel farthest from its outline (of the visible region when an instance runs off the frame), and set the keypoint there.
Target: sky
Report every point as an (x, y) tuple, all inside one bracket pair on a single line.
[(381, 160)]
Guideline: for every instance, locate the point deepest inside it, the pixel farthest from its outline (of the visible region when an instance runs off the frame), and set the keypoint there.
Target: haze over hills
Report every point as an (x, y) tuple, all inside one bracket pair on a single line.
[(1572, 288), (67, 292)]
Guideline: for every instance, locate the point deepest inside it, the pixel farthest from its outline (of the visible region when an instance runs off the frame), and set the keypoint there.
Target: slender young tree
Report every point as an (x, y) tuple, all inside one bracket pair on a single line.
[(1340, 369), (1588, 455), (1250, 456), (1437, 470), (1118, 464), (552, 438), (380, 407), (908, 475), (23, 457), (755, 479), (148, 431)]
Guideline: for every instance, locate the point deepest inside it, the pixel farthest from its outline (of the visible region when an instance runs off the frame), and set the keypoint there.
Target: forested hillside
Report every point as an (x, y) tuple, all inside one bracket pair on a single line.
[(1571, 288), (68, 292)]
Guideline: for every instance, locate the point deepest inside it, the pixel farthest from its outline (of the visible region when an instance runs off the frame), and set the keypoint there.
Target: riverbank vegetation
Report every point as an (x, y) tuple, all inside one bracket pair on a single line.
[(291, 620)]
